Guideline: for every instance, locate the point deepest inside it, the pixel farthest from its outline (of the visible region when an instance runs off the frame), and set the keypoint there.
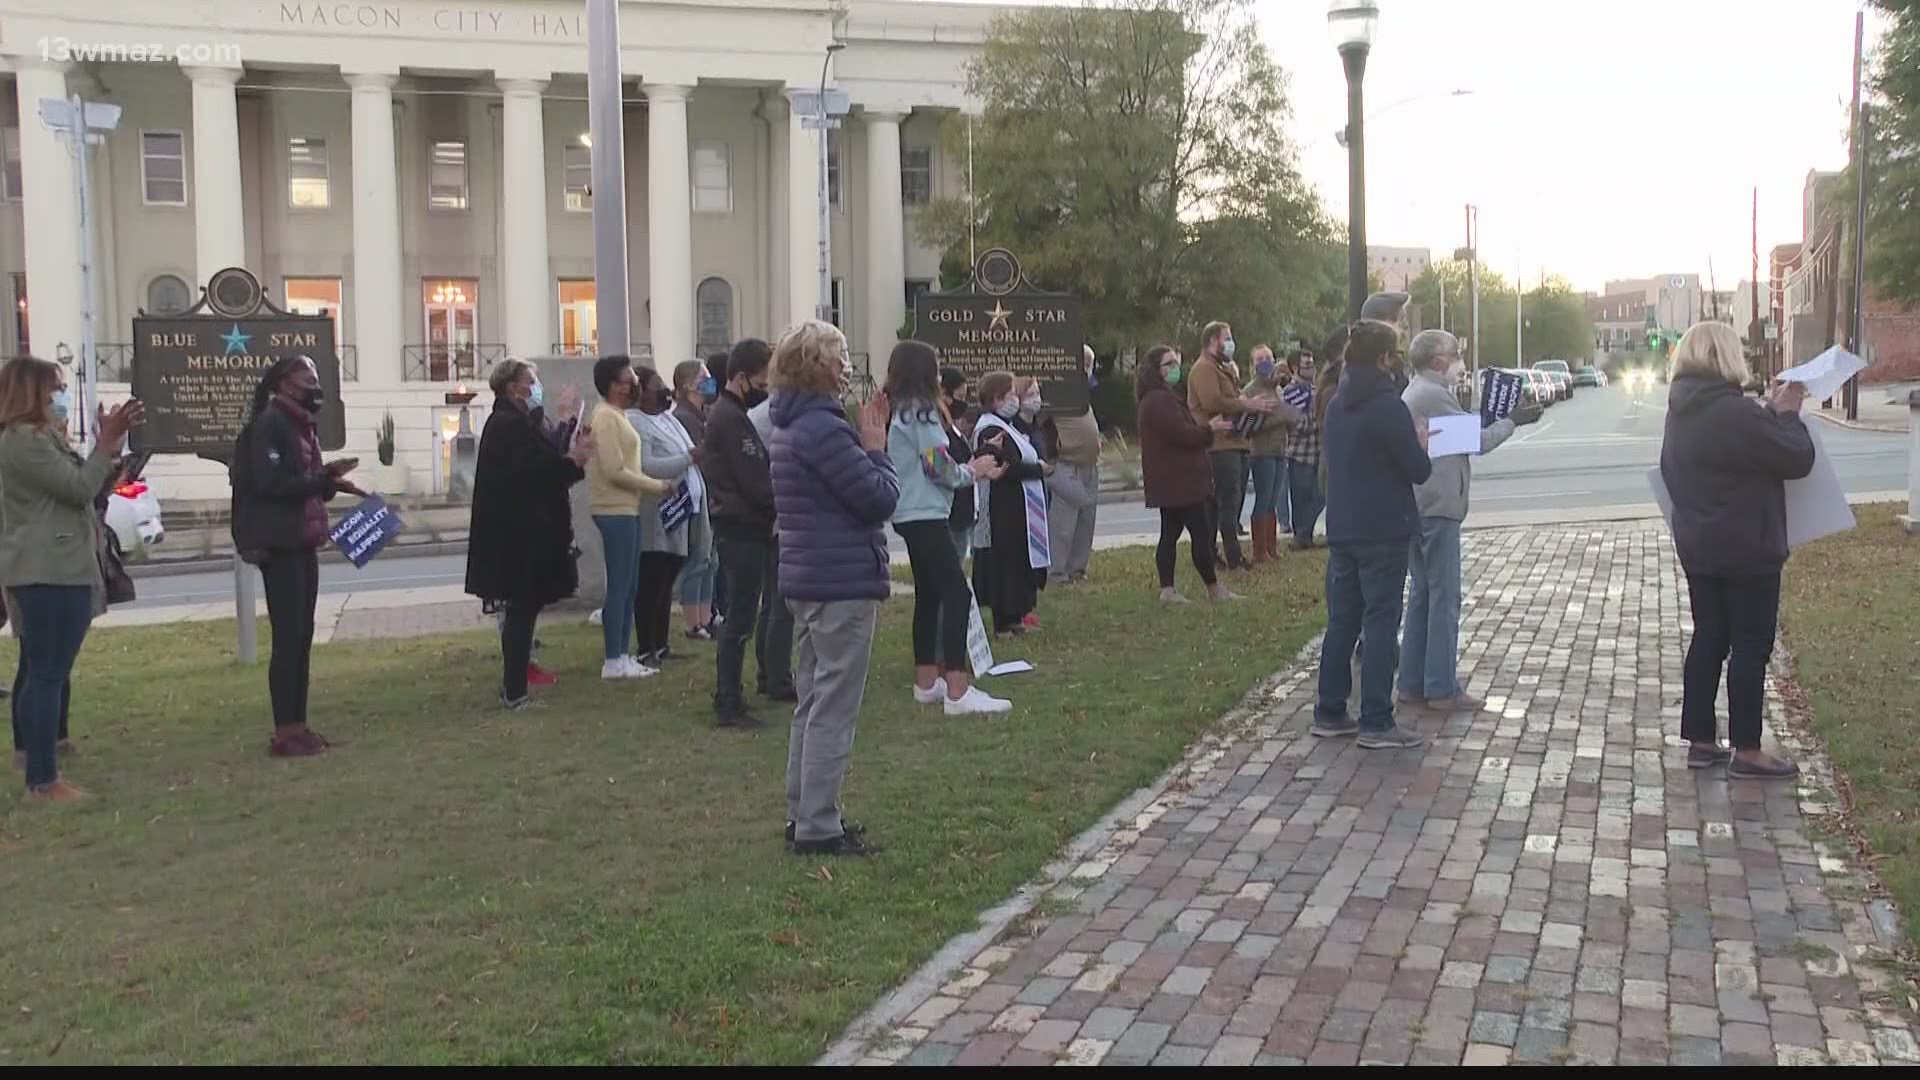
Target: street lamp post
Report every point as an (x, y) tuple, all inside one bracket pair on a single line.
[(1351, 23), (826, 221)]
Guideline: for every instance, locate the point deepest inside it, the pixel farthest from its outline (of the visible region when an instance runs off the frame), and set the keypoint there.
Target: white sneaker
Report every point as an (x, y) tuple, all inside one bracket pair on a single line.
[(616, 668), (976, 701), (638, 670), (932, 695)]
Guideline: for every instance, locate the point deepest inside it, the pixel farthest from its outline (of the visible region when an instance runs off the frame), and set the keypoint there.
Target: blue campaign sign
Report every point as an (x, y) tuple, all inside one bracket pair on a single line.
[(365, 532), (1499, 395), (1298, 396)]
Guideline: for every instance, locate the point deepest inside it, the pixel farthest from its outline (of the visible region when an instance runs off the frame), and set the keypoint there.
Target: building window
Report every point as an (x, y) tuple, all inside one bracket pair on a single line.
[(447, 176), (916, 288), (22, 343), (576, 163), (835, 149), (10, 164), (579, 318), (453, 325), (712, 177), (168, 295), (713, 313), (163, 168), (916, 175), (838, 308), (316, 296), (307, 174)]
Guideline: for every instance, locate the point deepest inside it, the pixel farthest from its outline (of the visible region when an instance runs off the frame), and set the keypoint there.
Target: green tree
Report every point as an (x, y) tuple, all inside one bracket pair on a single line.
[(1133, 153), (1893, 215), (1558, 326)]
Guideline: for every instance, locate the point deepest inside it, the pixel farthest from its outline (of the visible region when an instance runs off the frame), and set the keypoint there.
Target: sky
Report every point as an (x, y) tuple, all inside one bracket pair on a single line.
[(1602, 140)]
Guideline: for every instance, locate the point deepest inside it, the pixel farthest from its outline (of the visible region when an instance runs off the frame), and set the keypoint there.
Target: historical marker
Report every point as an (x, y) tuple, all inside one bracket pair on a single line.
[(998, 322)]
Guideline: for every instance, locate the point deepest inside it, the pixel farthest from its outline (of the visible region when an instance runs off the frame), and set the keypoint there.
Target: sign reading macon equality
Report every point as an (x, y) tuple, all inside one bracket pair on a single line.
[(196, 373), (996, 322)]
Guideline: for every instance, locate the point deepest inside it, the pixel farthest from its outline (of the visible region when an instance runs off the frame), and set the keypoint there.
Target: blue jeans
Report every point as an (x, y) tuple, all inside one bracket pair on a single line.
[(1364, 583), (1303, 483), (1429, 649), (620, 537), (1270, 487), (696, 577), (52, 622)]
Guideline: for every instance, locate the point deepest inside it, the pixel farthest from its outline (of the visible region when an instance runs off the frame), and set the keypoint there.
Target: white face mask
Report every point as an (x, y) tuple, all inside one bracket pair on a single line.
[(1008, 408), (1456, 369), (1030, 407)]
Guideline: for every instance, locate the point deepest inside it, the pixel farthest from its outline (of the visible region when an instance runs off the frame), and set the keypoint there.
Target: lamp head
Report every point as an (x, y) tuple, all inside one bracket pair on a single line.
[(1351, 22)]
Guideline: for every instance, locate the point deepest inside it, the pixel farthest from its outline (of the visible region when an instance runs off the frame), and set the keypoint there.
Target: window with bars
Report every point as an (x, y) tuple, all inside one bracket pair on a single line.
[(447, 176), (163, 168), (10, 164), (835, 151), (308, 185), (712, 177), (916, 175), (576, 163), (838, 308)]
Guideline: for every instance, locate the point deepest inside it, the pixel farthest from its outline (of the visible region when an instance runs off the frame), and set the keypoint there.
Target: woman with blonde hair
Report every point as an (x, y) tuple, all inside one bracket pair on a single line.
[(834, 489), (1725, 461), (53, 583)]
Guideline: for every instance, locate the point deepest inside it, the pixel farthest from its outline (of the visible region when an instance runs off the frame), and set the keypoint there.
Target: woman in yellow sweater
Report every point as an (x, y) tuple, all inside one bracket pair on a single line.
[(615, 484)]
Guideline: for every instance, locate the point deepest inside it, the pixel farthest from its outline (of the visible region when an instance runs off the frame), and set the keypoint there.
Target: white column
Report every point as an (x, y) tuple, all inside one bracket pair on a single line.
[(886, 301), (803, 219), (530, 293), (376, 231), (669, 225), (52, 218), (219, 232)]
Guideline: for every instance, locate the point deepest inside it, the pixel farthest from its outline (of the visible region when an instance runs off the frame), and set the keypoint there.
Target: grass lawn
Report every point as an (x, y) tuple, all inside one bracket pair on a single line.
[(600, 881), (1852, 616)]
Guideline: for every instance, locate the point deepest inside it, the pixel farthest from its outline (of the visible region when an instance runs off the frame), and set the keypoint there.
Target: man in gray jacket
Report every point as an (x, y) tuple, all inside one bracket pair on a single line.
[(1430, 643)]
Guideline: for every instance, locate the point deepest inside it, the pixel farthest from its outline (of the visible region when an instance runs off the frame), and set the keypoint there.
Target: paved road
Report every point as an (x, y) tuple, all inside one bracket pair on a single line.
[(1594, 450)]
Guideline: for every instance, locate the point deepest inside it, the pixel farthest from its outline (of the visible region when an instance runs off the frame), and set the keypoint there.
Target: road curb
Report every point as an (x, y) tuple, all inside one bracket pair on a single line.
[(1860, 425), (183, 567)]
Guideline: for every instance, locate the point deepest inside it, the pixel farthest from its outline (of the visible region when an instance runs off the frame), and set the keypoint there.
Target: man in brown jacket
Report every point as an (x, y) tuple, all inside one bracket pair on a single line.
[(1213, 390)]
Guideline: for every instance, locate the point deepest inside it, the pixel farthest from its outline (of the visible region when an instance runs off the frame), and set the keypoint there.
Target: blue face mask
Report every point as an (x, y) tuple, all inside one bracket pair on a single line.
[(62, 404), (1226, 348), (1264, 369), (706, 387), (536, 396)]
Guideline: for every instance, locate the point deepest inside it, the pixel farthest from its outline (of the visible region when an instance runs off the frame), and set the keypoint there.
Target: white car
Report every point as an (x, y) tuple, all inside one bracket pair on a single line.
[(134, 516)]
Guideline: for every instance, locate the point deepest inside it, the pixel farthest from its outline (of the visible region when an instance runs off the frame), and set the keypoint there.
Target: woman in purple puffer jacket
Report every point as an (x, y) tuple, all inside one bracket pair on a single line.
[(834, 489)]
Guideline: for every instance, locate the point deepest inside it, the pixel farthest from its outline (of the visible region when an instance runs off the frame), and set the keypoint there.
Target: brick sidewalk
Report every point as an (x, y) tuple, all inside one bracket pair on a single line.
[(1547, 882)]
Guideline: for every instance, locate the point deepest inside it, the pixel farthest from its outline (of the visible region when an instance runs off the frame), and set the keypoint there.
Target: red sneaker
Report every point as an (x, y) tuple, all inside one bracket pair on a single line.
[(539, 676), (295, 740), (1031, 621)]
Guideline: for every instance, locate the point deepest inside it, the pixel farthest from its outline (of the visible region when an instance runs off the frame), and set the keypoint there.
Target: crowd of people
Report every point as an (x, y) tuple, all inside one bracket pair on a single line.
[(745, 492)]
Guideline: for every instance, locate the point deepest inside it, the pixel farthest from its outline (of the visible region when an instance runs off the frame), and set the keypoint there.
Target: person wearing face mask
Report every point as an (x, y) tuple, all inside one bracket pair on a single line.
[(1175, 471), (617, 481), (280, 490), (693, 389), (955, 391), (1267, 452), (1429, 645), (1304, 496), (1213, 390), (520, 555), (51, 576), (666, 520), (1075, 488), (741, 507), (1011, 546)]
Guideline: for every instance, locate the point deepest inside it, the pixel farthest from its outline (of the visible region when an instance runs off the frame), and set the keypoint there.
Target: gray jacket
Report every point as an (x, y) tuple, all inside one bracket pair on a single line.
[(1445, 493)]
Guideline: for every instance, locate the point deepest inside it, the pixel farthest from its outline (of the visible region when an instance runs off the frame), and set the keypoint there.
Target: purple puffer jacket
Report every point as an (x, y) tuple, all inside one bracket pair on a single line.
[(831, 499)]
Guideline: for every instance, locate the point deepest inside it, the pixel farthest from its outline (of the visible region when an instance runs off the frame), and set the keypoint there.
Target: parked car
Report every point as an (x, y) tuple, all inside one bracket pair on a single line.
[(1588, 375), (1557, 368), (132, 512)]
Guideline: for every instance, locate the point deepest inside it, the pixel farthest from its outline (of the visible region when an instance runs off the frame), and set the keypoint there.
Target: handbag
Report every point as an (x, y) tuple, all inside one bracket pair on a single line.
[(113, 569)]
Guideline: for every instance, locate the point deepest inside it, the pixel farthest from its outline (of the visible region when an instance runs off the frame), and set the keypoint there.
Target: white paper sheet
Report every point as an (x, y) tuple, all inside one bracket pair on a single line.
[(1449, 435), (1825, 374), (1817, 505), (1011, 667)]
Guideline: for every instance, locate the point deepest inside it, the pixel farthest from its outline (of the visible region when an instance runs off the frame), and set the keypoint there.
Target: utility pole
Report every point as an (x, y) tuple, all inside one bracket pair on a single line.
[(1857, 343), (1443, 300), (1519, 320), (607, 157), (1756, 337), (1473, 284)]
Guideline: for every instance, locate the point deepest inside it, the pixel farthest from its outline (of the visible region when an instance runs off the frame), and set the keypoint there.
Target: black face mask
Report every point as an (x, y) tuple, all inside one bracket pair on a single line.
[(311, 400), (754, 397), (662, 400)]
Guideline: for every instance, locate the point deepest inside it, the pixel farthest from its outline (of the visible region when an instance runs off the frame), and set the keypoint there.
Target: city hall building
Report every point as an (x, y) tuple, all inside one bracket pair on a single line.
[(419, 171)]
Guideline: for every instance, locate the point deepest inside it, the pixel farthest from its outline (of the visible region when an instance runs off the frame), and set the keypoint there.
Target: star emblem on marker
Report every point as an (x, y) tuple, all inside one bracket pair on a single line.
[(236, 341), (999, 312)]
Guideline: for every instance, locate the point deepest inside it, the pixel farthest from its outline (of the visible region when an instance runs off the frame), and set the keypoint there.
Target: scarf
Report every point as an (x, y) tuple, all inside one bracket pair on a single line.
[(1039, 556), (667, 429)]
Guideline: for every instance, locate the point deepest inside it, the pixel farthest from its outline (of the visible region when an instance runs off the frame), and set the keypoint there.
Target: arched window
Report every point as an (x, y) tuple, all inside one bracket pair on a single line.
[(713, 308), (168, 295)]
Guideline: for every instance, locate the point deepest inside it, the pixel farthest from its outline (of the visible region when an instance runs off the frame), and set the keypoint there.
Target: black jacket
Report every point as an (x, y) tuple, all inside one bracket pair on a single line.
[(734, 465), (271, 486), (1373, 461), (1725, 462), (520, 538)]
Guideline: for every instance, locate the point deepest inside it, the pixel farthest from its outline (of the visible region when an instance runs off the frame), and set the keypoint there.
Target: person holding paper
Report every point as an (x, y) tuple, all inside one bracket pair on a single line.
[(1375, 455), (918, 441), (1430, 644), (520, 554), (1725, 462), (666, 519), (281, 487), (1213, 390), (1013, 524)]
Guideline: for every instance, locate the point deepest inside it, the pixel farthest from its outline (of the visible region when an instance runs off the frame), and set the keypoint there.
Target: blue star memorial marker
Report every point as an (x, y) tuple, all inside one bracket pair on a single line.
[(236, 341)]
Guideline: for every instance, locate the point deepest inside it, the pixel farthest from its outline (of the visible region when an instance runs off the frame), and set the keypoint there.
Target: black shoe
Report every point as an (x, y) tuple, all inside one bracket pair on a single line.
[(849, 843), (1707, 757), (1768, 768), (789, 695), (738, 719), (851, 828)]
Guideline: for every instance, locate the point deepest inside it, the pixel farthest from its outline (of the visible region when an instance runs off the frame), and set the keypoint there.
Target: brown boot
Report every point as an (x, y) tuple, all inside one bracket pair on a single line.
[(294, 740), (1265, 527)]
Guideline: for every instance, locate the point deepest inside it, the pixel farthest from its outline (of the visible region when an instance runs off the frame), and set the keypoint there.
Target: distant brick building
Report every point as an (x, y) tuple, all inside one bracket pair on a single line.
[(1893, 342)]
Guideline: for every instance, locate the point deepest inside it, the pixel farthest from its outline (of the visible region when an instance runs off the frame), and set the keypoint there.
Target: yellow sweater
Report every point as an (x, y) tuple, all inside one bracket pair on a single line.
[(614, 480)]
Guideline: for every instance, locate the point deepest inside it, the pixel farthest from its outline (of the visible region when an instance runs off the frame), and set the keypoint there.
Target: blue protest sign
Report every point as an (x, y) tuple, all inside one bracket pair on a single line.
[(1499, 395), (1298, 396), (366, 531)]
